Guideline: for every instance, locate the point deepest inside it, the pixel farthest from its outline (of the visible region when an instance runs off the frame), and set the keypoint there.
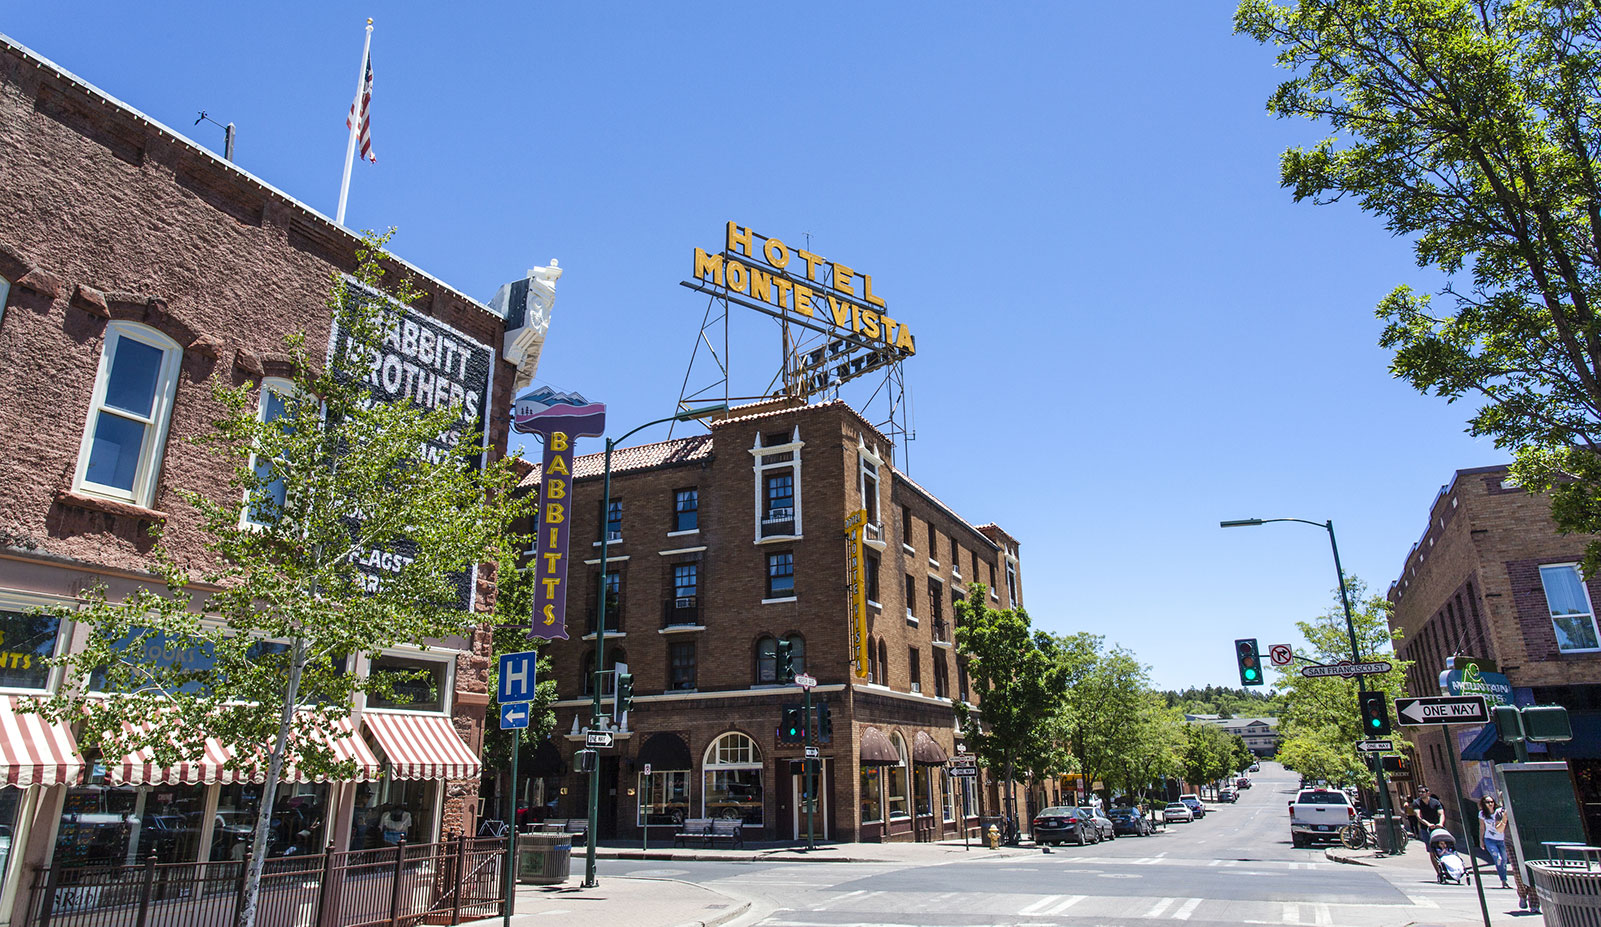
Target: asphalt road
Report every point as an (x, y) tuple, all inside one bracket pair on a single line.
[(1235, 866)]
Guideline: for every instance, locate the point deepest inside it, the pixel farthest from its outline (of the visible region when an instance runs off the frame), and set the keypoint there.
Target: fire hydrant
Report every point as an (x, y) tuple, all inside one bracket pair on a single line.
[(995, 837)]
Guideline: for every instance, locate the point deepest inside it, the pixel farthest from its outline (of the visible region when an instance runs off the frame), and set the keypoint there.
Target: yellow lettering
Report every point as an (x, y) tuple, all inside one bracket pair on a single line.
[(554, 534), (812, 261), (558, 464), (709, 265), (777, 254), (736, 269), (784, 286), (889, 328), (550, 614), (737, 237), (869, 322), (550, 587), (550, 562), (559, 441), (904, 341), (556, 489), (842, 279), (841, 311), (803, 299), (856, 318), (554, 514), (867, 291), (761, 284)]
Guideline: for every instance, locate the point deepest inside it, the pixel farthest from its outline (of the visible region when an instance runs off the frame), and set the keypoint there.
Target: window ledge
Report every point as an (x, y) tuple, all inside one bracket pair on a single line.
[(933, 563), (911, 620), (946, 645), (872, 604), (678, 629), (609, 635), (80, 500), (781, 539), (908, 548), (787, 598), (679, 534), (875, 544), (608, 543)]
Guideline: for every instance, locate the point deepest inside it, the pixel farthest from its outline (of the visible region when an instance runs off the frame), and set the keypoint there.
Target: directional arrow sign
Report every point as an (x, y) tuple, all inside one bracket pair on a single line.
[(1280, 654), (1443, 709), (1375, 746), (960, 771), (601, 739), (514, 715), (1346, 668)]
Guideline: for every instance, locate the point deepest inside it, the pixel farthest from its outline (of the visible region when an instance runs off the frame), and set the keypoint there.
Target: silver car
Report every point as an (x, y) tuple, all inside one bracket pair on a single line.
[(1177, 812)]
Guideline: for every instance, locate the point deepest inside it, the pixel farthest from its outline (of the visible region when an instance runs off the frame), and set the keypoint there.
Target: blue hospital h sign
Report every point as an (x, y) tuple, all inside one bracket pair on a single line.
[(516, 677)]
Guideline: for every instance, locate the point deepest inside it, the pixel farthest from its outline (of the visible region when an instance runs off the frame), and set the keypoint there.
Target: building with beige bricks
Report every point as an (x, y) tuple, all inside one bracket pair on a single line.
[(720, 545), (135, 267), (1493, 583)]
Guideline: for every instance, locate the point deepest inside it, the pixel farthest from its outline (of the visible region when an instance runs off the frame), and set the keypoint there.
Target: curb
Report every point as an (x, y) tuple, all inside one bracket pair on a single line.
[(724, 917), (1328, 854)]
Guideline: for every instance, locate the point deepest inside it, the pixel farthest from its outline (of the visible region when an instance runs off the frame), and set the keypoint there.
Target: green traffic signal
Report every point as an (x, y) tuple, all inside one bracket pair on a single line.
[(1250, 663)]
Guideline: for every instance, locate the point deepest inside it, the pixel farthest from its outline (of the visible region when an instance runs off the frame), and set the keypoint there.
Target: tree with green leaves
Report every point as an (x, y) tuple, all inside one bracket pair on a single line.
[(1473, 128), (1104, 692), (514, 604), (282, 600), (1156, 734), (1014, 671)]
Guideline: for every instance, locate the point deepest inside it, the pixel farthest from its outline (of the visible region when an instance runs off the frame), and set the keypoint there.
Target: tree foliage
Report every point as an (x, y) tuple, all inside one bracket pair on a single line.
[(1105, 692), (1225, 702), (252, 645), (1473, 127)]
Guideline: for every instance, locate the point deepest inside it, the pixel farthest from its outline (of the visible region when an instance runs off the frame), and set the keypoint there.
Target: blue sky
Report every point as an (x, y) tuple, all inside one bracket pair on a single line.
[(1126, 330)]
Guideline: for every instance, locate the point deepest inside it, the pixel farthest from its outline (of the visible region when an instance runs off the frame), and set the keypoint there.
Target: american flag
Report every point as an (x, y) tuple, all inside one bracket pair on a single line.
[(361, 112)]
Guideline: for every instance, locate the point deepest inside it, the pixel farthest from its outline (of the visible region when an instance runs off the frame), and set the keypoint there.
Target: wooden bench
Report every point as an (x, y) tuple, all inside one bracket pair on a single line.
[(579, 828), (732, 831), (693, 829)]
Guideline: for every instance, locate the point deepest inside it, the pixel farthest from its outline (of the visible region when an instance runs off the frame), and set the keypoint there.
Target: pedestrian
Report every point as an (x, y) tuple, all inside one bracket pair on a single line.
[(1492, 834), (1431, 813)]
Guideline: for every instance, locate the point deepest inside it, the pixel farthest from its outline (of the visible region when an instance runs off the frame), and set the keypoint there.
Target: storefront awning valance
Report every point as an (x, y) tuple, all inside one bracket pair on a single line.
[(1486, 746), (211, 768), (925, 752), (665, 751), (876, 748), (421, 746), (34, 751)]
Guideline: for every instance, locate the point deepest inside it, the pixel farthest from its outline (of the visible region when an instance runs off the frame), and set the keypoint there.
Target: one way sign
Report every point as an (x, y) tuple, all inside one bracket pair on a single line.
[(1466, 709)]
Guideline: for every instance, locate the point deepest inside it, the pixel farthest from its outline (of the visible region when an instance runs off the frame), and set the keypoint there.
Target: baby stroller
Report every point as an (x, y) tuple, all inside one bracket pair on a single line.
[(1448, 866)]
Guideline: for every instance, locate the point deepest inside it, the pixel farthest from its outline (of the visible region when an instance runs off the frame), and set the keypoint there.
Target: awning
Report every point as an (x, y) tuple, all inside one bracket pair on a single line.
[(876, 748), (925, 752), (139, 768), (421, 746), (34, 751), (664, 751), (1486, 747)]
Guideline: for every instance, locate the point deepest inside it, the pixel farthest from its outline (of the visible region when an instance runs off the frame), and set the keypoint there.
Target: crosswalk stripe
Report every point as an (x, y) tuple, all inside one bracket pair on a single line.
[(1188, 908), (1039, 906), (1068, 902), (1321, 915), (1159, 907), (1292, 913)]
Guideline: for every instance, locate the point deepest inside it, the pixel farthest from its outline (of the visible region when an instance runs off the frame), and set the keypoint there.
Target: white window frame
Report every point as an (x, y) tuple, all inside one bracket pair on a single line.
[(905, 767), (285, 389), (1583, 587), (761, 467), (710, 764), (25, 602), (148, 473), (868, 461), (447, 695), (5, 294)]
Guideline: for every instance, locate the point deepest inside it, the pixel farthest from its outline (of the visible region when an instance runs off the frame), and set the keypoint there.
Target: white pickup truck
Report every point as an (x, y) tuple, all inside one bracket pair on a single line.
[(1318, 814)]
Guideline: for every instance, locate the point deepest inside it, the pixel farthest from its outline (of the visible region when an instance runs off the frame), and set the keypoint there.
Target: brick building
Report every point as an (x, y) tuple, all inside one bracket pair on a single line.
[(723, 543), (134, 267), (1493, 580)]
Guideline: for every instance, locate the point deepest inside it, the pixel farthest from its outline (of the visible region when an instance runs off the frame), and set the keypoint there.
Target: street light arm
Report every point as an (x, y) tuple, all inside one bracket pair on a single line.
[(1252, 522), (683, 416)]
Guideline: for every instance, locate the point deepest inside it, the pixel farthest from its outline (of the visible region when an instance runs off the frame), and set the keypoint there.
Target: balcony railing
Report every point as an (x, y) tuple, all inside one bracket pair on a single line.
[(942, 631), (681, 610), (778, 522), (614, 616)]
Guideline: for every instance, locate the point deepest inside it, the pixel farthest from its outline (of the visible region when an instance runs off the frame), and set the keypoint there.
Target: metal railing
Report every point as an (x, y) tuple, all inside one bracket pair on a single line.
[(399, 886), (681, 610)]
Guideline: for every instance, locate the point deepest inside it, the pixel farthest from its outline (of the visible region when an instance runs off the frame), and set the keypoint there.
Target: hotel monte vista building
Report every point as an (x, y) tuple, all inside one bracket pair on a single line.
[(724, 543), (135, 267)]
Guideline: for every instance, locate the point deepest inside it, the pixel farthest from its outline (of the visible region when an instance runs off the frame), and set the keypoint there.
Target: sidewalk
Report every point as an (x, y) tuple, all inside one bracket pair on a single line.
[(1412, 874), (637, 902), (822, 853)]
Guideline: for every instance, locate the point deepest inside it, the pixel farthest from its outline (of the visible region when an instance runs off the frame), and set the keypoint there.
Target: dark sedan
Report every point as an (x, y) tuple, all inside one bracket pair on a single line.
[(1129, 821), (1062, 824)]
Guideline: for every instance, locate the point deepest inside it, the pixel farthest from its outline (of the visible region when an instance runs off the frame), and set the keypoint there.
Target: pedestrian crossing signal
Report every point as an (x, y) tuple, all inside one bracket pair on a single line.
[(1250, 661)]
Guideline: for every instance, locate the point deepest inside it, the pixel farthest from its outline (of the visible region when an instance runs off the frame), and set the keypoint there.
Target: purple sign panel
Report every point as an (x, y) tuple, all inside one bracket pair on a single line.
[(557, 418)]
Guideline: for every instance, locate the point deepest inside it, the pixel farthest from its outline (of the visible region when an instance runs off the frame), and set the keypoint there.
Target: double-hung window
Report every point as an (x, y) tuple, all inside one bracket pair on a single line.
[(614, 520), (686, 509), (1572, 614), (266, 502), (780, 494), (120, 457), (780, 575)]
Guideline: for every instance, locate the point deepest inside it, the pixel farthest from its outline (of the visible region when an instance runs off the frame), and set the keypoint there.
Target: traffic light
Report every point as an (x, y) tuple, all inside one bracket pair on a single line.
[(793, 728), (584, 761), (625, 692), (825, 723), (1375, 714), (786, 660), (1250, 662)]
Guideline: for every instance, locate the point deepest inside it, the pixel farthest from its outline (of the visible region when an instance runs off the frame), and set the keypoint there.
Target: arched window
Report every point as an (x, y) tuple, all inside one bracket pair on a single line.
[(608, 684), (767, 657), (895, 779), (123, 440), (733, 780)]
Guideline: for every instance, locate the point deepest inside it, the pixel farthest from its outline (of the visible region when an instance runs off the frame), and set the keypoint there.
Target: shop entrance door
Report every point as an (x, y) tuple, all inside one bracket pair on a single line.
[(608, 796), (800, 801)]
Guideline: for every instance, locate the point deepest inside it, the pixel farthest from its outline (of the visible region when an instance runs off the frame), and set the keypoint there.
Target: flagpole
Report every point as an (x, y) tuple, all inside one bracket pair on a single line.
[(355, 126)]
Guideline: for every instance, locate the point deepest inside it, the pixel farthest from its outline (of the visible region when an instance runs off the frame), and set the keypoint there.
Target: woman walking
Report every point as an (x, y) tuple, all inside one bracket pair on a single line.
[(1492, 834)]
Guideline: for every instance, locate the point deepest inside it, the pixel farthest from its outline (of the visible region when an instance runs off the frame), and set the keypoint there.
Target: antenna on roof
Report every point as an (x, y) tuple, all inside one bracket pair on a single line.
[(227, 134)]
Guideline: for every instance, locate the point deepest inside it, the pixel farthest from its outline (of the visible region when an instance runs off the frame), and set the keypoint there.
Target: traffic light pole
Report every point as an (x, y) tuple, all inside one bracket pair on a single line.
[(600, 664), (811, 785)]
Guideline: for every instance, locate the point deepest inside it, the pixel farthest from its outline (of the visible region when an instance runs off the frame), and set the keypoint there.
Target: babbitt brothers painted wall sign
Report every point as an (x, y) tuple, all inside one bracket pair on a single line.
[(557, 418)]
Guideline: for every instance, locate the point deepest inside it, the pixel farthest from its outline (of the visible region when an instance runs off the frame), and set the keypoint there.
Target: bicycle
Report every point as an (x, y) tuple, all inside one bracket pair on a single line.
[(1359, 835)]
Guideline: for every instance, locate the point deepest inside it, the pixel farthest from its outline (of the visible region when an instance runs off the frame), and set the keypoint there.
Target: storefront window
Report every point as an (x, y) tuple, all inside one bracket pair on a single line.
[(733, 788), (10, 798), (925, 791), (895, 783), (387, 812), (664, 797), (299, 820), (872, 794), (417, 685), (947, 799), (109, 825), (25, 641)]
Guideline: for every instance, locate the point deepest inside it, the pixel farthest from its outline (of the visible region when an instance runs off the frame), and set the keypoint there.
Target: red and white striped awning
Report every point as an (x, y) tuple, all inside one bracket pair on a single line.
[(139, 768), (34, 751), (421, 746)]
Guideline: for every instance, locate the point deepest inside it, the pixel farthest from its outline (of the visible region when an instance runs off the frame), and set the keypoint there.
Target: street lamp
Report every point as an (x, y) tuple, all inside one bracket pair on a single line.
[(1350, 630), (600, 624)]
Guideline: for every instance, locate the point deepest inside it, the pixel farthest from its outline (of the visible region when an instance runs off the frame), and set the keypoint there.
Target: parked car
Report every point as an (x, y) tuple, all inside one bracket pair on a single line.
[(1242, 782), (1103, 824), (1227, 794), (1177, 812), (1255, 767), (1130, 821), (1193, 802), (1065, 823)]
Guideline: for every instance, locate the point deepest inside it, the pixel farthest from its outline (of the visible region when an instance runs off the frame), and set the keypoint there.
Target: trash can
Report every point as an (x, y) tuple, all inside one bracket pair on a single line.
[(543, 859), (1570, 895), (1395, 833)]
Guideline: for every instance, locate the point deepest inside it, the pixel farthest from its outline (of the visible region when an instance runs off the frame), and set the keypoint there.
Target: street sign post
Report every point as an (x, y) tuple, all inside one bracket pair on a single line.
[(516, 683), (1280, 654), (1442, 709), (598, 739), (1375, 746), (1346, 668), (514, 715)]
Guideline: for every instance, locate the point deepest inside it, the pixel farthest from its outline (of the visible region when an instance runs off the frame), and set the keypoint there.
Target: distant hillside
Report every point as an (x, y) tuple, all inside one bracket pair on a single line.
[(1225, 702)]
